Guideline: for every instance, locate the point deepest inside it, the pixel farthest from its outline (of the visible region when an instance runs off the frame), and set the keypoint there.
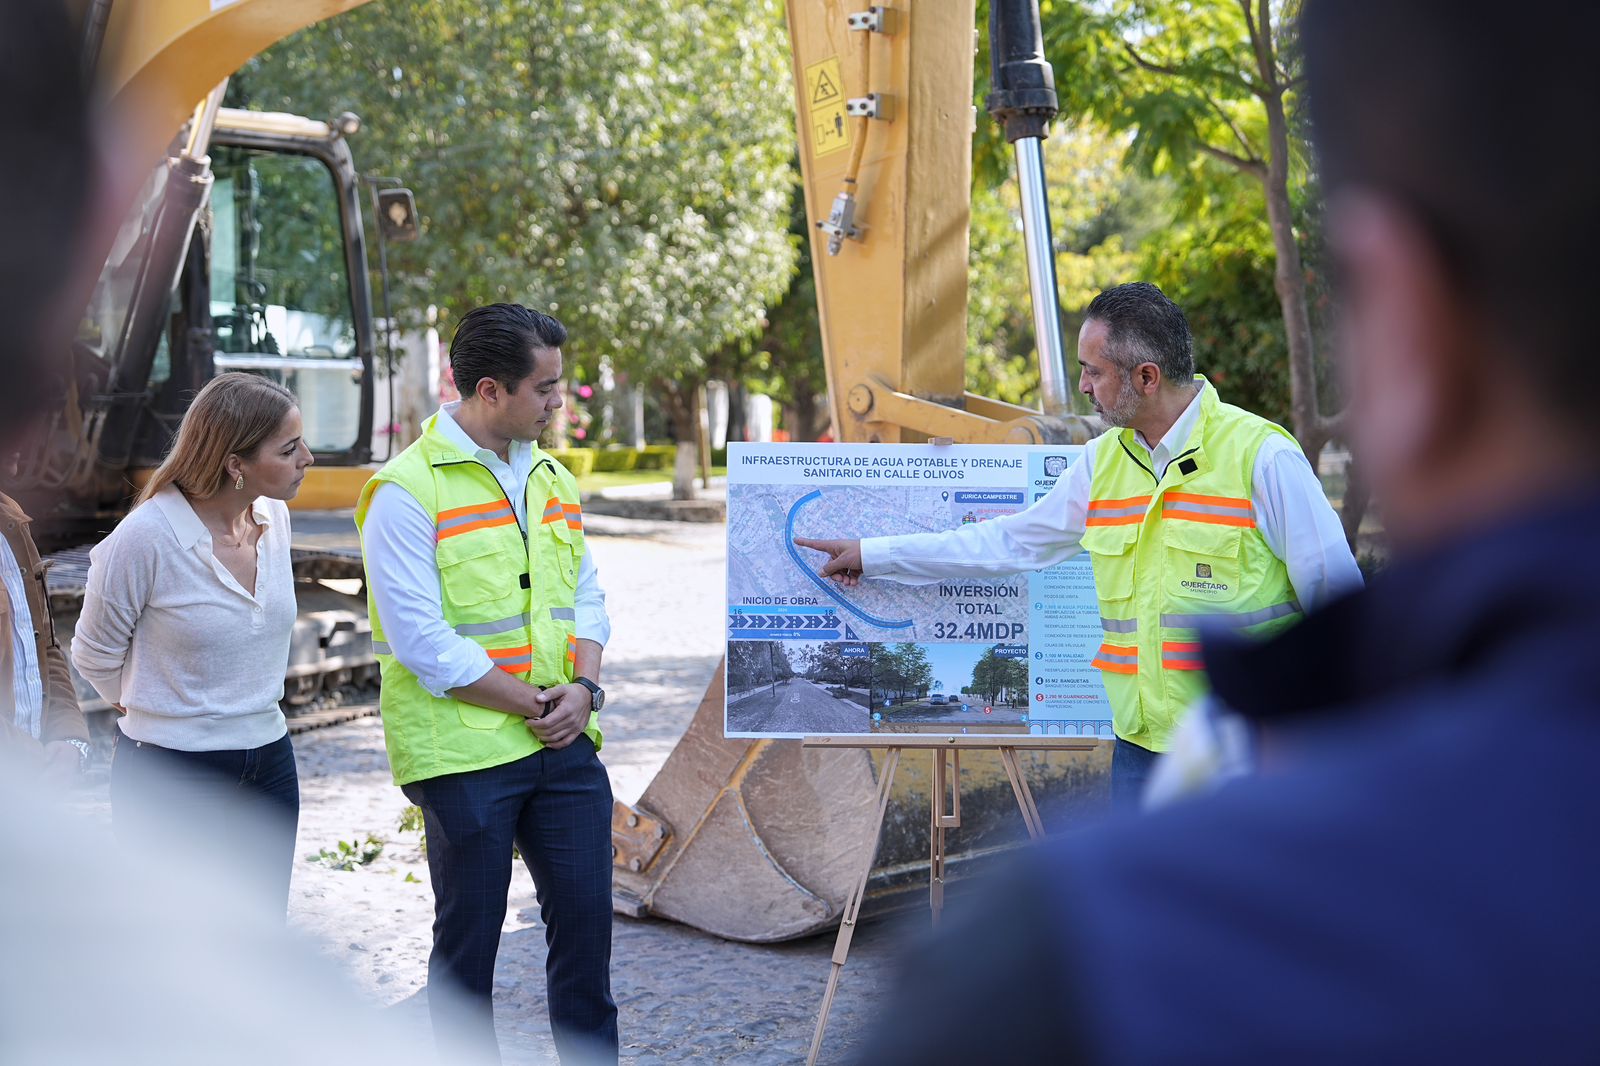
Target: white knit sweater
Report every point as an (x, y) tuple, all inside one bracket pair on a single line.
[(168, 633)]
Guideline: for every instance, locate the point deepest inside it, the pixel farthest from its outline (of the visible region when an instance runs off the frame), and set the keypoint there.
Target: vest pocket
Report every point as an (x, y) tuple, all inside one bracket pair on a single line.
[(1202, 562), (1110, 549), (568, 552), (468, 575)]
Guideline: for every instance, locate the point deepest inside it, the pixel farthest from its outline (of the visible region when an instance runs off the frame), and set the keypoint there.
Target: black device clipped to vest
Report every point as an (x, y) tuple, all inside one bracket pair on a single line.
[(1187, 467), (526, 582)]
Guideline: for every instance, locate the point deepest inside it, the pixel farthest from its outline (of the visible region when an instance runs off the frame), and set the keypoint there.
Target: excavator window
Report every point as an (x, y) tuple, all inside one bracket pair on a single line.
[(280, 290)]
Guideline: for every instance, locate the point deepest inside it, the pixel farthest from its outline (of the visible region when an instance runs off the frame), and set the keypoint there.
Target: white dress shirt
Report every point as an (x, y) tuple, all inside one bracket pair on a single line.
[(1291, 512), (400, 541), (168, 632), (27, 682)]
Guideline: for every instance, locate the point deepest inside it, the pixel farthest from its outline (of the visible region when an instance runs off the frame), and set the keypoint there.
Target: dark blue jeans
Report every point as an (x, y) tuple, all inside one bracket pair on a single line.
[(1130, 769), (236, 807), (555, 807)]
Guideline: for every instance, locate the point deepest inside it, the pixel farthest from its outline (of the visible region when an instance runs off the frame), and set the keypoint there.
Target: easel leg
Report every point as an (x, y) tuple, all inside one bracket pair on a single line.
[(1024, 794), (945, 776), (852, 907)]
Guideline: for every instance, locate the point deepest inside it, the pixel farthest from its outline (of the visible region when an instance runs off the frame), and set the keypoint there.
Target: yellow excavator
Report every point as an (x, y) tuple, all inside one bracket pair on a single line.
[(754, 840)]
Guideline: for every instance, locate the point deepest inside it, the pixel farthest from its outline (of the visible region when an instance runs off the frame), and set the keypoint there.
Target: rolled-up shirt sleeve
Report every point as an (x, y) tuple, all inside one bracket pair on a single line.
[(1047, 533), (398, 540), (590, 604), (1300, 526)]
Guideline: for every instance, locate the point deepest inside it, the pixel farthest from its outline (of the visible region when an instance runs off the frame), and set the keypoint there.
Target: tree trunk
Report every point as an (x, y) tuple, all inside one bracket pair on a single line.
[(737, 428), (1357, 495), (1289, 281), (811, 416), (679, 399)]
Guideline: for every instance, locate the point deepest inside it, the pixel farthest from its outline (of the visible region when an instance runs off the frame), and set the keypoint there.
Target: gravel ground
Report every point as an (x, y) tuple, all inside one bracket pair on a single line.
[(684, 996)]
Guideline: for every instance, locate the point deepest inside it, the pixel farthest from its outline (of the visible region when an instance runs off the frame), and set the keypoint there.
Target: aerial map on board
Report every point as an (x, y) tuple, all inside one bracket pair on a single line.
[(991, 655)]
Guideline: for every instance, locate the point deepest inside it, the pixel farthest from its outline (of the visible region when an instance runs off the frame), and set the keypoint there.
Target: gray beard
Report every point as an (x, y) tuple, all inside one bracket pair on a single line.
[(1121, 413)]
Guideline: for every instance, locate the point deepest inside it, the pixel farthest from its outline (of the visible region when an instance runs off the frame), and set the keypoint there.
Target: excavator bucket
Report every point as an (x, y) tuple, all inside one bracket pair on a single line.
[(764, 840)]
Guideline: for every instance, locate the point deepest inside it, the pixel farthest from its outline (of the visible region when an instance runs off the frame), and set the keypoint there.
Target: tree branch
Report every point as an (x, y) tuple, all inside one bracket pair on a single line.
[(1238, 135), (1177, 72), (1251, 165)]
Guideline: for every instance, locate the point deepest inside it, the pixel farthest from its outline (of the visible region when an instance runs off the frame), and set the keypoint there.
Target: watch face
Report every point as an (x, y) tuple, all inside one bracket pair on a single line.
[(599, 697)]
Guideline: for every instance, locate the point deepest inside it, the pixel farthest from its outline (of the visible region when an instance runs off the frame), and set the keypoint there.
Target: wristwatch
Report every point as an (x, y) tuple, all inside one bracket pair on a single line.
[(597, 695)]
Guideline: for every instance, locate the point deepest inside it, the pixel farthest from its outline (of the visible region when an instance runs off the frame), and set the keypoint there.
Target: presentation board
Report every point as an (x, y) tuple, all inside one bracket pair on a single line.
[(971, 655)]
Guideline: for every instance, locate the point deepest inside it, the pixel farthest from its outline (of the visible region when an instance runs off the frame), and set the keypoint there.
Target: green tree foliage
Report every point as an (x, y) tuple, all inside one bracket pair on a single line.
[(625, 166), (757, 662), (900, 670), (994, 674), (829, 664), (1207, 91)]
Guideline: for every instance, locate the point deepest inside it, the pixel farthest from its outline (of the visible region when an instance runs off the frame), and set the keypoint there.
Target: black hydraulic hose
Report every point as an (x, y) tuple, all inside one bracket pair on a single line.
[(1022, 86)]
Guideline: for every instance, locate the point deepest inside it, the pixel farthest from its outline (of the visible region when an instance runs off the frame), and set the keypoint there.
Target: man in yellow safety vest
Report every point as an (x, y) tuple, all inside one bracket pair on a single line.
[(488, 622), (1194, 512)]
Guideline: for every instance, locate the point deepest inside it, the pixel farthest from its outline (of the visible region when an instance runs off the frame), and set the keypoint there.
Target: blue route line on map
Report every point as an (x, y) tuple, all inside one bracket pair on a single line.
[(823, 583)]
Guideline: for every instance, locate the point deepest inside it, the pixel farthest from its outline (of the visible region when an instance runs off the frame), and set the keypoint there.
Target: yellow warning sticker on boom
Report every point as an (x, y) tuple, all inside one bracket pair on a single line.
[(825, 108)]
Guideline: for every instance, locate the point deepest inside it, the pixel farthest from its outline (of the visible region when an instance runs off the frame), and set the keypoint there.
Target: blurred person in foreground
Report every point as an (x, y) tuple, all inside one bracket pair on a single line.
[(1408, 872), (185, 629), (198, 971), (46, 189)]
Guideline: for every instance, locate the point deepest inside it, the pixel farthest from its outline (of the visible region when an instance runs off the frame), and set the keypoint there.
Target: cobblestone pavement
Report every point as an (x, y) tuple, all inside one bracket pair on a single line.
[(684, 996)]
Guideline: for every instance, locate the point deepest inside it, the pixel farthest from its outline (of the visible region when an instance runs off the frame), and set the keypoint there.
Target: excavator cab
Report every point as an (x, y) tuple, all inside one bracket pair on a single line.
[(272, 280)]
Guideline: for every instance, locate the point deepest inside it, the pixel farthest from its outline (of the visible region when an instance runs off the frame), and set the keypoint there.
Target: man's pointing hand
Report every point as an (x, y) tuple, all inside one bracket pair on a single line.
[(844, 559)]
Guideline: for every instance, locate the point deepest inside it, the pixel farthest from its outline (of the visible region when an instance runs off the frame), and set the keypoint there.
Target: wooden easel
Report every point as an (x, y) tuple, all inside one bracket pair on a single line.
[(946, 774)]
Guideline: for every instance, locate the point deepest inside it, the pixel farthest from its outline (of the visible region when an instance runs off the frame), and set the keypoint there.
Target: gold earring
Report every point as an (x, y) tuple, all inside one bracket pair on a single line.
[(239, 482)]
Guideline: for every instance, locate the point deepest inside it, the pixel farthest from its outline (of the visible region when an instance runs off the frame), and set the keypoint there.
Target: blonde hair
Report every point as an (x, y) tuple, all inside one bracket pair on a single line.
[(233, 415)]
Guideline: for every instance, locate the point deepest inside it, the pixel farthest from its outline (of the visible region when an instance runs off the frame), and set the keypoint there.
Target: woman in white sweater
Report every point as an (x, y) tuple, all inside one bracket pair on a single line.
[(185, 628)]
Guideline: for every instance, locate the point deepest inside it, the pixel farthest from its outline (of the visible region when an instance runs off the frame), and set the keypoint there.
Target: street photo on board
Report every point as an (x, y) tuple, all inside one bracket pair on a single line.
[(967, 688), (797, 688)]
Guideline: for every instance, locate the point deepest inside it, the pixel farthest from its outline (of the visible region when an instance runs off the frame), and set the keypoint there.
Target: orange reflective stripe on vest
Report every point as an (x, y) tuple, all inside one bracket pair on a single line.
[(512, 660), (1117, 659), (1215, 510), (1126, 512), (460, 520), (1181, 655), (556, 511)]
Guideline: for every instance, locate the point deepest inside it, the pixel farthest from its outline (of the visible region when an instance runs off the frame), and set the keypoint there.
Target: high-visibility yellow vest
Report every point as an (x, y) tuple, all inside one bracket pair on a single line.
[(1173, 554), (509, 592)]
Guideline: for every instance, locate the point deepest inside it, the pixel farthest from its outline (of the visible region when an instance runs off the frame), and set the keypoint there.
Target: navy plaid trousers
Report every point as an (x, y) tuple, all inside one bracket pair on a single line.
[(555, 806)]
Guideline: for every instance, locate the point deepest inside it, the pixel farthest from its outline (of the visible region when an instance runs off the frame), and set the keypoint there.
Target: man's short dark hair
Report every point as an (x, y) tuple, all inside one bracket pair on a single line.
[(1143, 326), (1479, 120), (498, 341)]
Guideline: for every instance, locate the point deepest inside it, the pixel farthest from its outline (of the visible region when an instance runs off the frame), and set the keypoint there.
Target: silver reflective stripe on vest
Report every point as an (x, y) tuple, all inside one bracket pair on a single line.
[(482, 516), (1119, 625), (563, 614), (500, 625), (1228, 618), (1117, 512), (521, 662), (1132, 658), (381, 647)]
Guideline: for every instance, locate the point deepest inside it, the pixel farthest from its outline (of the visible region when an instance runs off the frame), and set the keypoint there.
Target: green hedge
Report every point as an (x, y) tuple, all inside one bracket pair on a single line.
[(583, 461), (656, 457), (609, 460), (578, 460)]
